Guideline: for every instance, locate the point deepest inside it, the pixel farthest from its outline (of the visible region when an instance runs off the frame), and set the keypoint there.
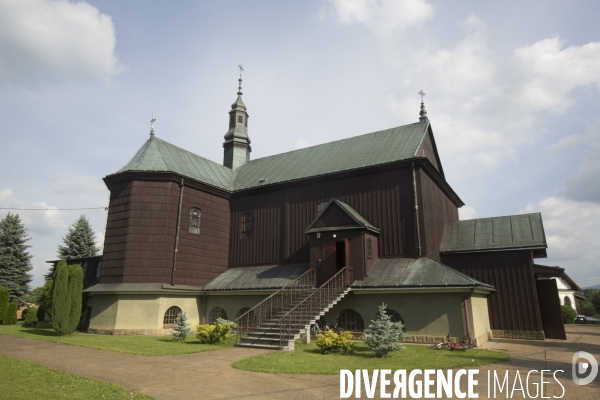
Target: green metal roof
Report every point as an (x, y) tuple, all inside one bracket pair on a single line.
[(375, 148), (156, 155), (415, 272), (257, 277), (499, 233), (363, 151), (362, 223)]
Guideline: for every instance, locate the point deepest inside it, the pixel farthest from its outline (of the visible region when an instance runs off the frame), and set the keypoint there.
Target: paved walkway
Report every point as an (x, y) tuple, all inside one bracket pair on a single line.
[(209, 375)]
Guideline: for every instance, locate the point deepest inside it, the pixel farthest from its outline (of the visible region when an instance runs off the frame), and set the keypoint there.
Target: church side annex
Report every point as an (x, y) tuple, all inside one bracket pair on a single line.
[(334, 229)]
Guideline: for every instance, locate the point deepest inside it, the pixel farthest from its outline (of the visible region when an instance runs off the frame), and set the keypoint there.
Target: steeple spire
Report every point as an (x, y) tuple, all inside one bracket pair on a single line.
[(237, 142), (423, 112)]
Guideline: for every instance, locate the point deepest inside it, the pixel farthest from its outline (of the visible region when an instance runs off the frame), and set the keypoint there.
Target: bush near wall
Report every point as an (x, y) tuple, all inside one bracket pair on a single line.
[(331, 342), (3, 302), (10, 318), (568, 314), (212, 334), (31, 318)]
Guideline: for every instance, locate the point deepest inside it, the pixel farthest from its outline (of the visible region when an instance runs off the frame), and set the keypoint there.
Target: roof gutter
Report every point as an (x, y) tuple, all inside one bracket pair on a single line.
[(416, 209), (177, 233)]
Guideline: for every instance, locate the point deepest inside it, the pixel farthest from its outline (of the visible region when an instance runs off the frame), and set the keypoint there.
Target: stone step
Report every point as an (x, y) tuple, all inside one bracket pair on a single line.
[(259, 346)]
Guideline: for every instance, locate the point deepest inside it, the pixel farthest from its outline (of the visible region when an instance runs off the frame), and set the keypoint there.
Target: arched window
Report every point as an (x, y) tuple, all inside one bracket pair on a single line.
[(242, 311), (567, 301), (194, 227), (215, 313), (350, 320), (369, 248), (322, 206), (171, 315), (247, 225)]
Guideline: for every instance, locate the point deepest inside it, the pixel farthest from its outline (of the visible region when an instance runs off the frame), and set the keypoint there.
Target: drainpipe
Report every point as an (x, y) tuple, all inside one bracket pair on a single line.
[(177, 234), (416, 209), (466, 303)]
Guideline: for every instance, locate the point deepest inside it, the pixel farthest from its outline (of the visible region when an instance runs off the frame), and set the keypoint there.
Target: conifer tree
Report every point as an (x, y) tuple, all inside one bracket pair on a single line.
[(79, 240), (15, 261), (3, 302), (182, 327), (10, 318), (75, 288), (383, 335), (61, 299)]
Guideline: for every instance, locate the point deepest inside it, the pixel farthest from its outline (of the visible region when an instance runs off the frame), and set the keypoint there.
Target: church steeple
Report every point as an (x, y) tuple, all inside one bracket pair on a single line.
[(237, 142), (423, 112)]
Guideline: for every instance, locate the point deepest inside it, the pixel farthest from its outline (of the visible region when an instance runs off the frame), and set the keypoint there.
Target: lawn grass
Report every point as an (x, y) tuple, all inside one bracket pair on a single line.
[(26, 380), (140, 345), (307, 359)]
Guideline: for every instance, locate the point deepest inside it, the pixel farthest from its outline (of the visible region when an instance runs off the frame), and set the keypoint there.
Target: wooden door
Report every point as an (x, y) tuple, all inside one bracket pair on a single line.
[(552, 321), (328, 262)]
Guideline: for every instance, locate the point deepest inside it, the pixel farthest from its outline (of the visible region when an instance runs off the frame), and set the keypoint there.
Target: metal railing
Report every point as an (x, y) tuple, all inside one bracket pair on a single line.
[(305, 311), (272, 305)]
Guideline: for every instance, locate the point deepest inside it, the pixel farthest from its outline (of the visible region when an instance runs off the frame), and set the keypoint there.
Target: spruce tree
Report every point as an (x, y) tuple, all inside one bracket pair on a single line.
[(15, 261), (61, 299), (79, 240), (10, 318), (75, 288), (383, 335), (182, 327), (3, 302)]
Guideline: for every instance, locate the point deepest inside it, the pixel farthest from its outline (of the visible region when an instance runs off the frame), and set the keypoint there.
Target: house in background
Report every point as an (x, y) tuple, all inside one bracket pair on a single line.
[(567, 288), (332, 230)]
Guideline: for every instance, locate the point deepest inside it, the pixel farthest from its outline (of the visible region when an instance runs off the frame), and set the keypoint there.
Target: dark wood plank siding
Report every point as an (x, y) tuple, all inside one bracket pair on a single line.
[(426, 150), (140, 234), (514, 305), (435, 209), (281, 215)]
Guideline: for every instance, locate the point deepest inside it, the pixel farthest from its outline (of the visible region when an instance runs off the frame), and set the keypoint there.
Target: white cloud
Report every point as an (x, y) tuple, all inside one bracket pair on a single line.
[(42, 222), (300, 144), (382, 16), (466, 212), (44, 41), (78, 185), (572, 234), (489, 104)]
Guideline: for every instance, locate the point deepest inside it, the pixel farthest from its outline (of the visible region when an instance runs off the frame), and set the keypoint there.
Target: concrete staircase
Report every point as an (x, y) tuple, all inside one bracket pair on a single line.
[(268, 335)]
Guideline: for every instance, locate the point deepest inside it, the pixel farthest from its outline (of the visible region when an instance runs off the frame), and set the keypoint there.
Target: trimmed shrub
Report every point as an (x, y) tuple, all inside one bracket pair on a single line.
[(331, 342), (10, 318), (182, 328), (568, 314), (3, 302), (211, 334), (383, 335), (31, 318), (61, 299), (75, 288)]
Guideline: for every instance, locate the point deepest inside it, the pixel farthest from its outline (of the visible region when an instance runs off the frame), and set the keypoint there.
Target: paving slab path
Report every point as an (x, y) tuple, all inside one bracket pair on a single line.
[(209, 375)]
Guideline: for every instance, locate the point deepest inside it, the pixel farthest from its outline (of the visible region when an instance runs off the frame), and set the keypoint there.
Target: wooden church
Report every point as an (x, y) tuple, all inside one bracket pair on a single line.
[(331, 231)]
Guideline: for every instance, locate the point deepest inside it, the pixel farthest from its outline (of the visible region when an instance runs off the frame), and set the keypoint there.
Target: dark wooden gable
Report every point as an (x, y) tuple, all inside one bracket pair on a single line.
[(334, 216), (428, 149)]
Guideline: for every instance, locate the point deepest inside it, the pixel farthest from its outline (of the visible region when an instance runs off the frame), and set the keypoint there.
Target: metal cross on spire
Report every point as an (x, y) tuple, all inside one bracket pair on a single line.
[(152, 125), (240, 80), (422, 93), (423, 112)]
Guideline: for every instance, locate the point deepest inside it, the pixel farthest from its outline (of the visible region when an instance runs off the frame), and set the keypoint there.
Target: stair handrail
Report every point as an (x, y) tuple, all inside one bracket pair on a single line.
[(276, 302), (311, 306)]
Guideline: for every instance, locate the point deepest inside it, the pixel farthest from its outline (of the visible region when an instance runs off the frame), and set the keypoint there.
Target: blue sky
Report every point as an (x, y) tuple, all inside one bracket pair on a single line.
[(512, 95)]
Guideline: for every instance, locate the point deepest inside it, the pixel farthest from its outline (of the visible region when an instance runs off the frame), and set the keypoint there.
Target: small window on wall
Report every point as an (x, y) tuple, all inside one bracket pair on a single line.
[(98, 267), (369, 248), (567, 301), (247, 225), (321, 206), (240, 119), (194, 221), (171, 315), (350, 320), (215, 313), (242, 311)]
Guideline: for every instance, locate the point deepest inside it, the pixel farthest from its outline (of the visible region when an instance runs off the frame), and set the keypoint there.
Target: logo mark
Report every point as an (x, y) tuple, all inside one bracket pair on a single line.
[(580, 368)]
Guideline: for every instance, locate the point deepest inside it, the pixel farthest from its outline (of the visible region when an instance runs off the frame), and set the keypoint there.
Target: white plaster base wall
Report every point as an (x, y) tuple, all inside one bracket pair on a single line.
[(138, 314)]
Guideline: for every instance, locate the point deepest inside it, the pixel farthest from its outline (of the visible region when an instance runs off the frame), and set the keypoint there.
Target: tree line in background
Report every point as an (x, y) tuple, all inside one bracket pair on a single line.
[(61, 296)]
